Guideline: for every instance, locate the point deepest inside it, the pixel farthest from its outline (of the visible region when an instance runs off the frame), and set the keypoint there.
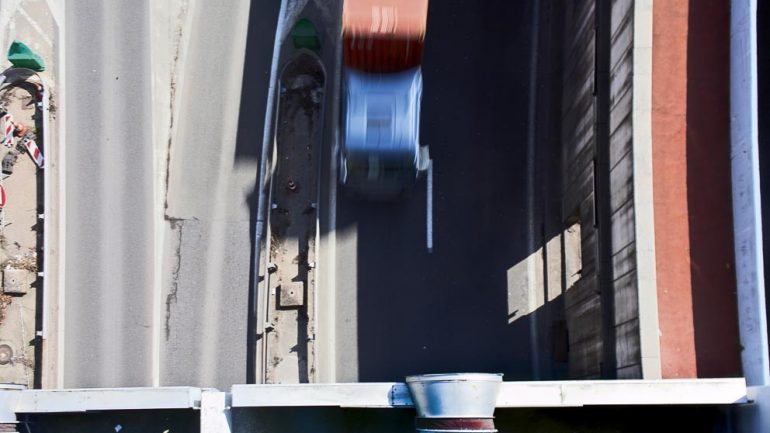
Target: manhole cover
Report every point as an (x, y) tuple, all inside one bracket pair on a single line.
[(6, 353)]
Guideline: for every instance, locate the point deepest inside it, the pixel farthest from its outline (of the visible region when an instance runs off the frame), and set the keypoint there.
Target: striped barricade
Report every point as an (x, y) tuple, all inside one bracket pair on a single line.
[(29, 142), (6, 128)]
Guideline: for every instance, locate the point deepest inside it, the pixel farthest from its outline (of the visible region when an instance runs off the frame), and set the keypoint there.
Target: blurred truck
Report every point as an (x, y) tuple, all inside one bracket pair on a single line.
[(380, 155)]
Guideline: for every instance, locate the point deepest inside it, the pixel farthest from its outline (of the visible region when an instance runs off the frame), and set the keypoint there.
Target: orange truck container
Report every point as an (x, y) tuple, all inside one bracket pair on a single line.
[(381, 36)]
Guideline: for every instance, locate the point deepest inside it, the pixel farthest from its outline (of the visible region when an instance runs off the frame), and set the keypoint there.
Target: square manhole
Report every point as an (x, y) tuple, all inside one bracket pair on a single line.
[(291, 295), (16, 281)]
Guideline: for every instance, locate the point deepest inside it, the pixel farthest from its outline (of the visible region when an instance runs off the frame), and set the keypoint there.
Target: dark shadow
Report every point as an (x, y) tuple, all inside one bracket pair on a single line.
[(589, 419), (263, 18), (497, 202), (709, 196), (171, 420), (447, 311), (763, 58)]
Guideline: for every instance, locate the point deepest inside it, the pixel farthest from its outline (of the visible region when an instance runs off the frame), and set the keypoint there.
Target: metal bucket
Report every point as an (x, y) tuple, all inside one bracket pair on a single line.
[(456, 402)]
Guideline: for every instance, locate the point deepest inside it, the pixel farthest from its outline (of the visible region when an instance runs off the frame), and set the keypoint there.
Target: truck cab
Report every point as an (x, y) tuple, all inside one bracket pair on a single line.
[(381, 156)]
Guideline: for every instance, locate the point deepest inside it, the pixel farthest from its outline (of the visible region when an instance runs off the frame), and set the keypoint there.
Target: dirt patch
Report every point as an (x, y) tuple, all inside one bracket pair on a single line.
[(5, 302), (26, 261)]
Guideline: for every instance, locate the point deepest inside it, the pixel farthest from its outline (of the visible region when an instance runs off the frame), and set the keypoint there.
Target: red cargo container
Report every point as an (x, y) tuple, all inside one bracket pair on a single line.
[(383, 35)]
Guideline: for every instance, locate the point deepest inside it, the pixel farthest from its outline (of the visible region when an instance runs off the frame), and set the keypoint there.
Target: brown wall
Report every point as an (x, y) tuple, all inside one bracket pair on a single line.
[(691, 175)]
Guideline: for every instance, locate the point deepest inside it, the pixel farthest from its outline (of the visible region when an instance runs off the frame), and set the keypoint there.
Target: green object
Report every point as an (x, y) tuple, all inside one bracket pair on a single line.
[(305, 35), (21, 56)]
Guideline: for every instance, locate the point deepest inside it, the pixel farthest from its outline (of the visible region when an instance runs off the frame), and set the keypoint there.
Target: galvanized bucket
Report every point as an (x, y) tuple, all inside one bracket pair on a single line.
[(455, 402)]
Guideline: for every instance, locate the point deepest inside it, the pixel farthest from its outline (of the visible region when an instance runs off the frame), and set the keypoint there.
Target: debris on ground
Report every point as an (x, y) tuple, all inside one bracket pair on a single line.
[(27, 261), (5, 301)]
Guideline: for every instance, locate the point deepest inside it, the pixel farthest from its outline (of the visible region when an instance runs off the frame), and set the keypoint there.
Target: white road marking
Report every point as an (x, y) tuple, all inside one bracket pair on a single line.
[(429, 213)]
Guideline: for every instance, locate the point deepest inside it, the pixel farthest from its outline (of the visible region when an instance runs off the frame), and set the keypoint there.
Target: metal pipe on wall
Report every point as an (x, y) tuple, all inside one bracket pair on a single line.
[(747, 216)]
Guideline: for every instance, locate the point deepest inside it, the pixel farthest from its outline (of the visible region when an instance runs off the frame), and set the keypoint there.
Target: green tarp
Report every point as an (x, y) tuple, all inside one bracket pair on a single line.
[(21, 56)]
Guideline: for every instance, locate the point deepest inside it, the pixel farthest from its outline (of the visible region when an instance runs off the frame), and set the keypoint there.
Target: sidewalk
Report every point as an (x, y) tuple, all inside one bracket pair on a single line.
[(23, 324), (20, 241)]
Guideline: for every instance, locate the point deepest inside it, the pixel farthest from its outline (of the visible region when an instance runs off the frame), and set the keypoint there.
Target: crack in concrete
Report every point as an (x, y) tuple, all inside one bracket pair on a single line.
[(172, 88), (171, 298)]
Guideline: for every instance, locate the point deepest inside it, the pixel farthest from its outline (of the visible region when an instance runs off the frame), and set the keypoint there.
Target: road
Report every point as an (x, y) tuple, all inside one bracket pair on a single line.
[(402, 310), (109, 238), (157, 262), (211, 200)]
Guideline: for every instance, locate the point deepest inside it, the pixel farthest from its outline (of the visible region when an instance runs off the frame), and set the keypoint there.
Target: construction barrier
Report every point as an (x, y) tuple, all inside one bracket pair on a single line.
[(6, 128), (34, 151)]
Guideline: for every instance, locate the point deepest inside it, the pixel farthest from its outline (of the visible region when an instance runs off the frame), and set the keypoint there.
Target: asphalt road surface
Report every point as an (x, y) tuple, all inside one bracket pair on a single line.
[(211, 200), (402, 310), (124, 326), (109, 233)]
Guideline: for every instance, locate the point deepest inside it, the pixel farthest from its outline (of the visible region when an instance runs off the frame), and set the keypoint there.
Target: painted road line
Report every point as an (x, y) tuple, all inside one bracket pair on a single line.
[(429, 213)]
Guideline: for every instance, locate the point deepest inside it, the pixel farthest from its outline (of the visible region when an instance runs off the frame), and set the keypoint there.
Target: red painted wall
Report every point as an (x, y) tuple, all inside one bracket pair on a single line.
[(691, 184), (669, 141)]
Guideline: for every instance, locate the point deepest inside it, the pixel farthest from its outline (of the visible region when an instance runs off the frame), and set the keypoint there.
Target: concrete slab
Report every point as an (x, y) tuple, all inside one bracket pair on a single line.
[(512, 394), (17, 281)]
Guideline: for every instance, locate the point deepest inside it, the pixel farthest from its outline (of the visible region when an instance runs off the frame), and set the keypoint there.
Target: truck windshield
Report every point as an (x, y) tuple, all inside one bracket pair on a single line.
[(374, 168)]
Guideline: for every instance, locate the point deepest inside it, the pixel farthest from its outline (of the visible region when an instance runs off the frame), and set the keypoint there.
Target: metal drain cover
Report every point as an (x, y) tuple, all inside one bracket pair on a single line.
[(6, 353)]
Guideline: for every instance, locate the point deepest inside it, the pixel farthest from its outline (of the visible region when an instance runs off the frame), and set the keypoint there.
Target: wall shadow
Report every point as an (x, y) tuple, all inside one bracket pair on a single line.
[(171, 420), (709, 195), (596, 419)]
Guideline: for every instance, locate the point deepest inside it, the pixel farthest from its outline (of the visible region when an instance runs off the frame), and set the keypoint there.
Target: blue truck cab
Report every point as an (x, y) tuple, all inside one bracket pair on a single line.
[(380, 155)]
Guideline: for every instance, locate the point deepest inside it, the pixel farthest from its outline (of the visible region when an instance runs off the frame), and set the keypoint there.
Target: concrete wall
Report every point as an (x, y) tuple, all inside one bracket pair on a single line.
[(601, 306), (582, 300), (621, 203)]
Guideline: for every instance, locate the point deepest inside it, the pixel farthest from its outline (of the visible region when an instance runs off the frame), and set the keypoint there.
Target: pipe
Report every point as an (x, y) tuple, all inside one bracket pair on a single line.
[(261, 201), (747, 217), (46, 206)]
